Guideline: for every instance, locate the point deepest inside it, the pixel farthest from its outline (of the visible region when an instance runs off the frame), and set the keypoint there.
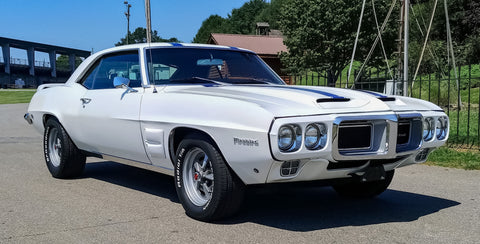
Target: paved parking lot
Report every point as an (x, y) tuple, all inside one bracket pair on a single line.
[(114, 203)]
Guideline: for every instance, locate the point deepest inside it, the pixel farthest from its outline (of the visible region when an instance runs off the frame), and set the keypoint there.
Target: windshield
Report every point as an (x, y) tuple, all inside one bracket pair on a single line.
[(194, 65)]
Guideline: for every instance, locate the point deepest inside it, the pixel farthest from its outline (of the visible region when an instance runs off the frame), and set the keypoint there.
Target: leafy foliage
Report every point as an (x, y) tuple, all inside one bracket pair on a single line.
[(63, 62), (320, 34), (140, 36), (271, 14), (241, 21), (213, 24), (464, 18)]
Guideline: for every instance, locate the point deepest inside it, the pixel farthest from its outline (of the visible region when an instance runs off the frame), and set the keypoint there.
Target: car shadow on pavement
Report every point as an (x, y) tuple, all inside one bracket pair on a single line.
[(288, 207), (132, 177), (315, 208)]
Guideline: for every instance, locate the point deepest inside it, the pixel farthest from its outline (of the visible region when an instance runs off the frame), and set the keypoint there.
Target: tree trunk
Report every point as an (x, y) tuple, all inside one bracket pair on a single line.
[(331, 77)]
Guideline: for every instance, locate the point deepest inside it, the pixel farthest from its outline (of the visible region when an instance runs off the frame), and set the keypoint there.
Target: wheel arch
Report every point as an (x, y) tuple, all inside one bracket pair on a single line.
[(178, 134), (46, 117)]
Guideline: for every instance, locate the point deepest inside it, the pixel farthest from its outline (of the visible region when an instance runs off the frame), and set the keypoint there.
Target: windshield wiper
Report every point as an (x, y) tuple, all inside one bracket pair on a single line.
[(213, 81), (252, 81)]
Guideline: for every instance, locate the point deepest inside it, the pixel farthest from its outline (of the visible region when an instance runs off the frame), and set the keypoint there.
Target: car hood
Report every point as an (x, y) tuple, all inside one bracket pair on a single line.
[(285, 100)]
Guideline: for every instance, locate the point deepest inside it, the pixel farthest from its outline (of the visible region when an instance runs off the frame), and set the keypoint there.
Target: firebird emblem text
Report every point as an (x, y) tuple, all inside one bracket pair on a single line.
[(245, 142)]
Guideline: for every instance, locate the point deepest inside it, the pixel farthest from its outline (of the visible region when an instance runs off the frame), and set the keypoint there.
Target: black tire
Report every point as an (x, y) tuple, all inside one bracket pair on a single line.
[(227, 191), (371, 189), (63, 158)]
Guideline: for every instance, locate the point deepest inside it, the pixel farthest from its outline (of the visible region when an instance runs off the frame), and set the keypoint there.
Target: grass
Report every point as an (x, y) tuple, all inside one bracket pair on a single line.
[(427, 86), (313, 78), (15, 96), (455, 158), (464, 126)]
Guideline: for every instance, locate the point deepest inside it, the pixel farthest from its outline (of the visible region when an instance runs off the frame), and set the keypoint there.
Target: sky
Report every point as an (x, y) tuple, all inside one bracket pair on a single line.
[(99, 24)]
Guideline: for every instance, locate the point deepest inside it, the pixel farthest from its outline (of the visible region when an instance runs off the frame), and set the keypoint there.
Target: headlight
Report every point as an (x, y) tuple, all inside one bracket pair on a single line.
[(442, 128), (428, 128), (289, 138), (315, 136)]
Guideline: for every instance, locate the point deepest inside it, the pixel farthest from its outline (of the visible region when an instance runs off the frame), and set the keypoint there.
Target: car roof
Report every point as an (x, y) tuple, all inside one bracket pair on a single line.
[(172, 45)]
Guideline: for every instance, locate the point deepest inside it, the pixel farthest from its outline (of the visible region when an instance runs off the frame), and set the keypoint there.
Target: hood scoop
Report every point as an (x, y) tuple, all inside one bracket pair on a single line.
[(379, 96), (334, 99), (386, 99)]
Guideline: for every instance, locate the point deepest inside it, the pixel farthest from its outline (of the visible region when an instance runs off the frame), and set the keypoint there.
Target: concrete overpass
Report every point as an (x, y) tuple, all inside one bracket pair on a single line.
[(32, 72)]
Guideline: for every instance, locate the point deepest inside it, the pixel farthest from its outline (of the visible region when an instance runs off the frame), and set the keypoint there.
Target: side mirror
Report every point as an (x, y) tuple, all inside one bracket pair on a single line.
[(120, 82)]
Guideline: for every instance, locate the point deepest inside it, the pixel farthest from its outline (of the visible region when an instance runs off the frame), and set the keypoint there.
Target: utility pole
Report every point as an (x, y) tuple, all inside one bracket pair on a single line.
[(405, 46), (149, 23), (127, 14), (399, 49), (403, 39)]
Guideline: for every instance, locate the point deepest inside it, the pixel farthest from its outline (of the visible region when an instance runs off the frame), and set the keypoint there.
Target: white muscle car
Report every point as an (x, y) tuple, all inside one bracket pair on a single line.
[(218, 119)]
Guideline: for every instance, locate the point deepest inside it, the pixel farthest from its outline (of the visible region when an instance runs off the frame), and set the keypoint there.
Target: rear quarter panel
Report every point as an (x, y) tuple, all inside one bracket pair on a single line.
[(62, 102)]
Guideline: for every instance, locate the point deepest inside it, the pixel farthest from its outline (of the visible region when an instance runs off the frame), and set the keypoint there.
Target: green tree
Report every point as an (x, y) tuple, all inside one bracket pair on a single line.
[(320, 34), (213, 24), (472, 16), (140, 36), (242, 20), (464, 18), (271, 14), (471, 48), (63, 62)]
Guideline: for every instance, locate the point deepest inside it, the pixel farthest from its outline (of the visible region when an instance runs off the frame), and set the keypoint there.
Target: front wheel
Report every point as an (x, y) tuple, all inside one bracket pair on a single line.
[(365, 189), (206, 187), (63, 158)]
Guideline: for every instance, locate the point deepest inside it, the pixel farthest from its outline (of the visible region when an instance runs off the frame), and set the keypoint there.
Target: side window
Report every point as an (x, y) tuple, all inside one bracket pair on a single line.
[(101, 75)]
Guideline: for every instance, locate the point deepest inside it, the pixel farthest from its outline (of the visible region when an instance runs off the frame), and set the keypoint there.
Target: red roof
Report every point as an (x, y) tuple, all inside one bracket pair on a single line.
[(266, 45)]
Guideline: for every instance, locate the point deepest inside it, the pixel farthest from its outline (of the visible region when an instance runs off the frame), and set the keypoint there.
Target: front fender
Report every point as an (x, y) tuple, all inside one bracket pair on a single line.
[(230, 123)]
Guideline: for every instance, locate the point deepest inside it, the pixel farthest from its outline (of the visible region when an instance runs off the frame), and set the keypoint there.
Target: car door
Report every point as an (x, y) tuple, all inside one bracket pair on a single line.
[(109, 116)]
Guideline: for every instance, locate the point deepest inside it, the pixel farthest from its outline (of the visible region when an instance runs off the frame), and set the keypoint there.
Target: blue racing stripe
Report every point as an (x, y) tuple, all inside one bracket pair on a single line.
[(374, 93), (176, 44), (328, 94)]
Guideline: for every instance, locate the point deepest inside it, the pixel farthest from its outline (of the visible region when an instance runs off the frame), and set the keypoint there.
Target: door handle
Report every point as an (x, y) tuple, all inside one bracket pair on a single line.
[(85, 101)]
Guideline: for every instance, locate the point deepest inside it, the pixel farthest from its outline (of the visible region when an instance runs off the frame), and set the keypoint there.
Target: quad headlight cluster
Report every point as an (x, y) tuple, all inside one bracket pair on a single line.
[(437, 127), (442, 128), (290, 137)]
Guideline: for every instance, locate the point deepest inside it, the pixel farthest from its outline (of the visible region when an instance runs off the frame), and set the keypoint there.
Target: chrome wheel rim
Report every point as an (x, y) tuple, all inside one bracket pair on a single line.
[(54, 147), (198, 176)]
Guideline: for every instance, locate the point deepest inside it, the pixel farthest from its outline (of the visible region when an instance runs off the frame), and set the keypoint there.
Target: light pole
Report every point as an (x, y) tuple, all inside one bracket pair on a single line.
[(149, 23), (127, 14)]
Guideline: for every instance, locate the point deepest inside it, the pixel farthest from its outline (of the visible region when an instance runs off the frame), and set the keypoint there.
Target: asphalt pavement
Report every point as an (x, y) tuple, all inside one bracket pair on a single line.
[(114, 203)]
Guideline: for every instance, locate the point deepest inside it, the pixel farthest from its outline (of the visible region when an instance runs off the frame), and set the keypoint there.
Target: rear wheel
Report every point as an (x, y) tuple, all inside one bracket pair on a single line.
[(63, 158), (365, 189), (206, 187)]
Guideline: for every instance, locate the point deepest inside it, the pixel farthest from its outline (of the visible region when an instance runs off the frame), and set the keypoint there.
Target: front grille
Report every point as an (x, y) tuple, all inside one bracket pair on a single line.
[(409, 135), (354, 136), (403, 135), (367, 137)]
